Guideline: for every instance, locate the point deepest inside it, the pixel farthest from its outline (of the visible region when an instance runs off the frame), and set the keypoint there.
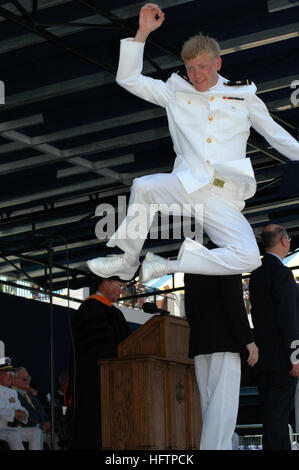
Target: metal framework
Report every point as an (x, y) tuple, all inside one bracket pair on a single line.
[(70, 139)]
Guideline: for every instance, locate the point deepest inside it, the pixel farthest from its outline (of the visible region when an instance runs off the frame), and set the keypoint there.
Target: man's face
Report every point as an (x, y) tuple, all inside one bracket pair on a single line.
[(115, 288), (6, 378), (22, 380), (202, 71), (286, 245)]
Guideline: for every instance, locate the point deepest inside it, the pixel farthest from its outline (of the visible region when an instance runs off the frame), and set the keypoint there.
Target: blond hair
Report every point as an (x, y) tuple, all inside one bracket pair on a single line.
[(198, 44)]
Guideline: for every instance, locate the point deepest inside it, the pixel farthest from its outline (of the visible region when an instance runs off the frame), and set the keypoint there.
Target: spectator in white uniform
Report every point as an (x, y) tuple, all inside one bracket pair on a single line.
[(12, 413)]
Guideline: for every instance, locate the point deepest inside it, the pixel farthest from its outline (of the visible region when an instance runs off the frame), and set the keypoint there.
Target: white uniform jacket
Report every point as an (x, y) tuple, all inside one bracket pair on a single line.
[(209, 129), (9, 403)]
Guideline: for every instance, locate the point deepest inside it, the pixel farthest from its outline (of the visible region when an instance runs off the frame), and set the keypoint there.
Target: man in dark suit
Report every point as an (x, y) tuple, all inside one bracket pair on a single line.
[(98, 328), (219, 330), (274, 301)]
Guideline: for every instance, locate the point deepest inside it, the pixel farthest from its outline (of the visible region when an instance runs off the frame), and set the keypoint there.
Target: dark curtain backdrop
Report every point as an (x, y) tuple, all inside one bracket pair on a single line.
[(25, 330)]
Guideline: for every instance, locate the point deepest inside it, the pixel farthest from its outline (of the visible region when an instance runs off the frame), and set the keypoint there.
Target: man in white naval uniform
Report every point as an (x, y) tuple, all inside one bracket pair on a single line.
[(12, 411), (209, 122)]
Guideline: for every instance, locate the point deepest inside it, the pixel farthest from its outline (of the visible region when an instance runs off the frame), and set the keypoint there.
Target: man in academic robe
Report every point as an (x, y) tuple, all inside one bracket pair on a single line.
[(98, 327)]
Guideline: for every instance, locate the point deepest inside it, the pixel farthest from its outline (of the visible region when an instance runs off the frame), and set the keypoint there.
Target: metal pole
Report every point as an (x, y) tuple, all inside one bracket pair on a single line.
[(52, 364)]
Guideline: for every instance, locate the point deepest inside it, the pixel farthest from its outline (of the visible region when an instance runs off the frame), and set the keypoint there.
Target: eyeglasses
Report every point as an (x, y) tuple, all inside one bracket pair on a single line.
[(25, 378), (118, 285), (285, 235)]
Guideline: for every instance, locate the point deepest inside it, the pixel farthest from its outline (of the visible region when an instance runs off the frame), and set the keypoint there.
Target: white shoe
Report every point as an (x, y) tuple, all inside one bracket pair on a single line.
[(115, 265), (153, 266)]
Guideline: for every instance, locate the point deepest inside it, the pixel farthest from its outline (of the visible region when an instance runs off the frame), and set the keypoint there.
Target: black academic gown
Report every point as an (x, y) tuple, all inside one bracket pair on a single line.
[(98, 328)]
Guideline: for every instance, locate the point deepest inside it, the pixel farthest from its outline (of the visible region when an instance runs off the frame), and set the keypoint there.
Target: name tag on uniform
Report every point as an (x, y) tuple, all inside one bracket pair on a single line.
[(12, 400), (218, 182)]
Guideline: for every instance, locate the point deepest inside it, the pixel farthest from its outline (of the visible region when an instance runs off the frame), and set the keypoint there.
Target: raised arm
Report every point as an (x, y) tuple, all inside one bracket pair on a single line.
[(150, 18), (129, 73)]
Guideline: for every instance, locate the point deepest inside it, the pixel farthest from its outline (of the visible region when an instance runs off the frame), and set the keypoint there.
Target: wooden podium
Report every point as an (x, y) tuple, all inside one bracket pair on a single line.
[(149, 394)]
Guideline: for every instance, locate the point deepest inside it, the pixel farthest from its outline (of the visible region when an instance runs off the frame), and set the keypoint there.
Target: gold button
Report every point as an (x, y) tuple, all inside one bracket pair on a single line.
[(209, 140), (211, 118), (212, 98), (208, 162)]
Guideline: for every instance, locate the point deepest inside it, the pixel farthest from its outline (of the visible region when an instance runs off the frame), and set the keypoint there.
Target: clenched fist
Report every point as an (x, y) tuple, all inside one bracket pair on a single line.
[(150, 18)]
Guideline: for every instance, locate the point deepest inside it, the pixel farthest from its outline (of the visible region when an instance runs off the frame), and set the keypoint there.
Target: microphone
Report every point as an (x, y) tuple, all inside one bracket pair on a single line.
[(148, 307)]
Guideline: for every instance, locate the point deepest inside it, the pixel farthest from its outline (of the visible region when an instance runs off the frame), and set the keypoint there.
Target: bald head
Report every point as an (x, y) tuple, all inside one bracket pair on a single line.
[(275, 239)]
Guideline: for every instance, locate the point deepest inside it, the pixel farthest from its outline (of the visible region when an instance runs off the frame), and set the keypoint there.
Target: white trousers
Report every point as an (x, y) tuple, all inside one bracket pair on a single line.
[(16, 436), (221, 219), (218, 376)]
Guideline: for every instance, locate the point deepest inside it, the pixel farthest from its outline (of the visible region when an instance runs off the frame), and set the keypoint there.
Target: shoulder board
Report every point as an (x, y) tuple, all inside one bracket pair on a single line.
[(184, 77), (238, 83)]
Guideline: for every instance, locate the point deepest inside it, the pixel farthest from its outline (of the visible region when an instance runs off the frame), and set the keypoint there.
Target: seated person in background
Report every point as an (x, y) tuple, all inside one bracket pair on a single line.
[(61, 420), (37, 414), (12, 412), (41, 396), (63, 381)]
